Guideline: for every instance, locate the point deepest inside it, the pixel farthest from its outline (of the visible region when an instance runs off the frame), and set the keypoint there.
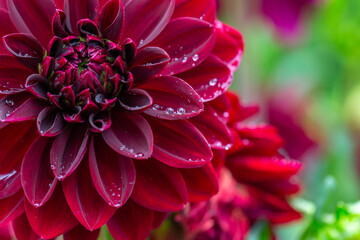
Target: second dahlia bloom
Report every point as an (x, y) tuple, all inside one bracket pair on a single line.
[(256, 181), (105, 113)]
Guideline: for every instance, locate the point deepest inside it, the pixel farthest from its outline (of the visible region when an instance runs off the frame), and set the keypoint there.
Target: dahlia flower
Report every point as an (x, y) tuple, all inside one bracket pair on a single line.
[(106, 115), (255, 181)]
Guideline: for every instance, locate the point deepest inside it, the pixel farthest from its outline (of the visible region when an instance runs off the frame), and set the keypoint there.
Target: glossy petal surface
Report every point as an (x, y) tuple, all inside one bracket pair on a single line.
[(86, 204), (113, 174), (130, 135), (179, 144), (159, 187), (37, 179), (68, 150)]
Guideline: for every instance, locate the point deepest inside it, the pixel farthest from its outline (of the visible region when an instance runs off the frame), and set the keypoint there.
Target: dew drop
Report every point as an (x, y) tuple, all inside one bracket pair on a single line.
[(195, 57), (213, 82), (169, 110), (184, 60), (181, 111), (99, 98), (9, 102)]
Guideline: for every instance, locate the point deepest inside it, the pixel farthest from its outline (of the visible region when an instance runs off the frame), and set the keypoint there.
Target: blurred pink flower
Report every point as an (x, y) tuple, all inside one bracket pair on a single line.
[(287, 15)]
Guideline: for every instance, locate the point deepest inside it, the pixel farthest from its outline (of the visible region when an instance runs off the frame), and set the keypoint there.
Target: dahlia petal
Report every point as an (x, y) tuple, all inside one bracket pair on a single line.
[(201, 183), (179, 144), (173, 98), (148, 62), (210, 79), (12, 75), (100, 122), (188, 41), (111, 20), (77, 9), (258, 169), (203, 9), (20, 107), (113, 175), (17, 141), (229, 45), (125, 223), (22, 229), (58, 24), (11, 207), (68, 150), (3, 4), (130, 135), (39, 24), (88, 27), (10, 183), (50, 122), (53, 218), (26, 48), (37, 179), (38, 85), (86, 204), (79, 232), (6, 27), (213, 128), (261, 140), (135, 100), (222, 107), (59, 4), (153, 16), (238, 112), (159, 187)]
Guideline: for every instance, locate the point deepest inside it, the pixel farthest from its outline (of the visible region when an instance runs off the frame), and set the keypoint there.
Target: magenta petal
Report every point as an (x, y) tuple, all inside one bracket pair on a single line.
[(229, 45), (188, 41), (86, 204), (76, 10), (79, 232), (20, 107), (111, 20), (255, 169), (203, 9), (38, 85), (201, 183), (148, 62), (22, 229), (159, 187), (159, 218), (39, 24), (26, 48), (10, 183), (213, 128), (210, 79), (173, 99), (37, 179), (153, 16), (130, 135), (13, 75), (17, 141), (68, 150), (135, 100), (113, 174), (53, 218), (6, 27), (50, 122), (11, 207), (58, 24), (125, 223), (179, 144)]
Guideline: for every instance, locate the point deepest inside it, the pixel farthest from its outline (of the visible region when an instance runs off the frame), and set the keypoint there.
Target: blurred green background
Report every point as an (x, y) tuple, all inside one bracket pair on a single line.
[(316, 75)]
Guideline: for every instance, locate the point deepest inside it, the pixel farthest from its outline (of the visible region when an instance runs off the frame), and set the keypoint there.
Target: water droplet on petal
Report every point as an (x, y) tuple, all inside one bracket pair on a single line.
[(195, 57)]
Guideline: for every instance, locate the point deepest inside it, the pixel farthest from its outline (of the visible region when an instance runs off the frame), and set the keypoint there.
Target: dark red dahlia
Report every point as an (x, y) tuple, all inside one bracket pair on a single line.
[(256, 181), (103, 112)]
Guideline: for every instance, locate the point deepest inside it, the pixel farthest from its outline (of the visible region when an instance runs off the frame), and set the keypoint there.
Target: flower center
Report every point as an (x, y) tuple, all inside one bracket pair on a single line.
[(83, 76)]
